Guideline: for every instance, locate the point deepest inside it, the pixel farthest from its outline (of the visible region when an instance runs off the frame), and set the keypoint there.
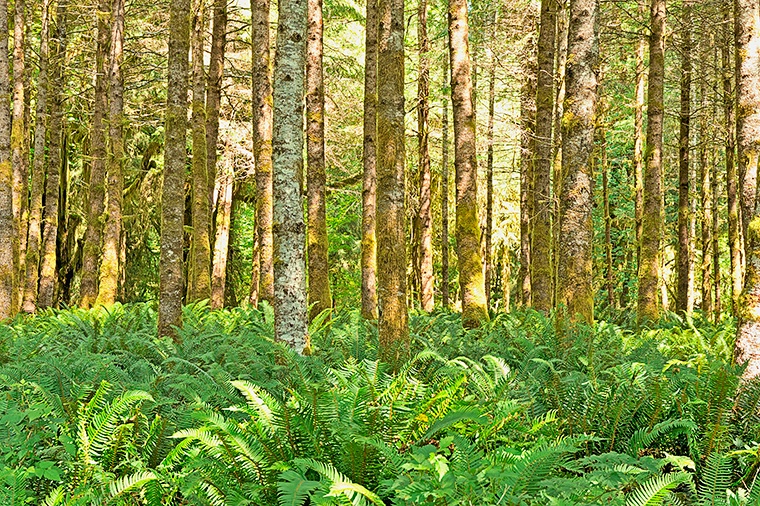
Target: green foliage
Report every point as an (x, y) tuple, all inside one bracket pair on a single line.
[(97, 410)]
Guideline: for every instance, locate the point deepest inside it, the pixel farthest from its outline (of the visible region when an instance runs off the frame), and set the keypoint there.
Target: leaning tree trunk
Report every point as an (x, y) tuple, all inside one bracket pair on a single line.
[(93, 239), (748, 139), (575, 279), (175, 158), (391, 244), (6, 176), (262, 146), (290, 310), (684, 266), (650, 257), (425, 216), (200, 259), (111, 266), (471, 279), (34, 237), (541, 273)]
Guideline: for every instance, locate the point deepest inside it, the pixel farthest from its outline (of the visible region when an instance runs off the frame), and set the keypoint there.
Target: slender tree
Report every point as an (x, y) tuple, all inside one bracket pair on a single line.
[(650, 259), (19, 155), (111, 265), (575, 291), (175, 158), (527, 149), (735, 236), (747, 29), (489, 268), (222, 238), (391, 249), (287, 149), (471, 279), (425, 215), (685, 268), (706, 191), (445, 186), (638, 131), (262, 145), (7, 222)]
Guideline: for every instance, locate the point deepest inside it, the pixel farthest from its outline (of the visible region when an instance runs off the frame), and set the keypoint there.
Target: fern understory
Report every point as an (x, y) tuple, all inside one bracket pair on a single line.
[(95, 409)]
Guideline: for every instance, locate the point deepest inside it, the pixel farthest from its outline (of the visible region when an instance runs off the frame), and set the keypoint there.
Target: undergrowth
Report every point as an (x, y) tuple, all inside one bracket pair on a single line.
[(95, 409)]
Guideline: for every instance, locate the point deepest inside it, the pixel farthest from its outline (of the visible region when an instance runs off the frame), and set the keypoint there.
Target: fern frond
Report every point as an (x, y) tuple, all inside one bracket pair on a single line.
[(654, 491)]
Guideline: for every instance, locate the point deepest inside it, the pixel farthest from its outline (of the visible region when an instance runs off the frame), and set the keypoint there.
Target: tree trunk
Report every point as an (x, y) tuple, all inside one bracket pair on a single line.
[(560, 69), (222, 242), (34, 238), (290, 310), (445, 185), (705, 176), (638, 132), (575, 278), (527, 151), (369, 160), (609, 274), (214, 92), (685, 267), (93, 239), (53, 190), (19, 155), (175, 159), (7, 221), (262, 145), (319, 267), (489, 177), (391, 244), (425, 216), (748, 138), (200, 263), (649, 265), (541, 235), (111, 266), (471, 279)]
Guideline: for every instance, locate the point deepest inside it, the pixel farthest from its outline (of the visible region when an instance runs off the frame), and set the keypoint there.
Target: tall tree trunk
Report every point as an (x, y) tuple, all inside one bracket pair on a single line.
[(638, 132), (319, 267), (541, 235), (650, 258), (489, 177), (262, 145), (222, 241), (200, 263), (425, 216), (471, 279), (705, 176), (34, 238), (609, 274), (291, 322), (93, 239), (175, 158), (369, 160), (54, 203), (445, 185), (735, 236), (111, 266), (748, 138), (213, 106), (7, 222), (575, 279), (391, 248), (685, 267), (20, 157), (527, 150), (560, 69)]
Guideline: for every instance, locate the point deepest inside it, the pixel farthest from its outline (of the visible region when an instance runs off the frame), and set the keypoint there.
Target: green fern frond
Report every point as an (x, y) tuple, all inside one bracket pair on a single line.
[(716, 479), (129, 483), (655, 490), (293, 489)]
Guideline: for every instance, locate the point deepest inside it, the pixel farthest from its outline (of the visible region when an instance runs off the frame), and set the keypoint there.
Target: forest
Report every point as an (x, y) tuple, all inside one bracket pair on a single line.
[(379, 252)]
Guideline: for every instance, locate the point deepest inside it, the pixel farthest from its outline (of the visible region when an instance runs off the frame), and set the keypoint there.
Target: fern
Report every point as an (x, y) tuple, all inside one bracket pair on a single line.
[(654, 491)]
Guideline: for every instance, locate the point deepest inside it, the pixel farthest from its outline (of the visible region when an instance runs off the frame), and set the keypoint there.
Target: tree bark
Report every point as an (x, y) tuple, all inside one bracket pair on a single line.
[(527, 151), (391, 245), (445, 185), (175, 159), (425, 216), (20, 159), (650, 258), (638, 132), (747, 31), (685, 267), (560, 69), (489, 176), (222, 241), (200, 268), (7, 217), (369, 160), (290, 310), (93, 239), (471, 279), (541, 235), (575, 278), (262, 145), (706, 190), (111, 265), (319, 266)]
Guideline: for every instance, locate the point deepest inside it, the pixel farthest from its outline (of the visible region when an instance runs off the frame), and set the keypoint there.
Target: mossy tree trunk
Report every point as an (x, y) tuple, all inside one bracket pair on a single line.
[(222, 238), (489, 267), (425, 214), (289, 228), (650, 257), (471, 279), (638, 131), (706, 185), (445, 185), (175, 159), (7, 227), (391, 242), (527, 150), (685, 268), (575, 291), (19, 155)]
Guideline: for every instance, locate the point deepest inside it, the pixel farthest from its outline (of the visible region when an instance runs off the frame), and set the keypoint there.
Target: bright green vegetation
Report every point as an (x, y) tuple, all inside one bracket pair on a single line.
[(96, 410)]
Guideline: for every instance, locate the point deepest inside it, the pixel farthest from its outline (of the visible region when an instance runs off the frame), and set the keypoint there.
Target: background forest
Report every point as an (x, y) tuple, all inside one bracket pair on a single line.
[(390, 252)]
